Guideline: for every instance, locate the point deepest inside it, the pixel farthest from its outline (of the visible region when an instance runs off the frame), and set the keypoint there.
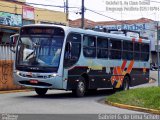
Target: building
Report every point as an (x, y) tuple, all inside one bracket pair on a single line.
[(146, 27), (77, 23), (14, 14)]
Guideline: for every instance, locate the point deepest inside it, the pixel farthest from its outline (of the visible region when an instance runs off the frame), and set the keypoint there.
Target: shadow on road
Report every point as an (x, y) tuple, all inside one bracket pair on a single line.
[(66, 95)]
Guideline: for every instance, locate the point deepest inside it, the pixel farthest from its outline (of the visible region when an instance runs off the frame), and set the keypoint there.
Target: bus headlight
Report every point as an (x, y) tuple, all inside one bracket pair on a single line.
[(20, 73), (17, 72), (54, 75)]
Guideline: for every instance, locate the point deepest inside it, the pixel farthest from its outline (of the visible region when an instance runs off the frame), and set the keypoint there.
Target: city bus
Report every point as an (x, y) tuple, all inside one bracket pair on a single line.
[(78, 60)]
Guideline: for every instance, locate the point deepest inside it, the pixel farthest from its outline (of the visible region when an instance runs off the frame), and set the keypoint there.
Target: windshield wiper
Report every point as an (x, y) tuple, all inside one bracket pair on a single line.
[(29, 55)]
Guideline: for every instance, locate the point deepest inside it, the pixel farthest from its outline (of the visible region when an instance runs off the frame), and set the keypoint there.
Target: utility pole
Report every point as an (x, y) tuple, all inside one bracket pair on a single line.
[(67, 10), (158, 56), (64, 6), (82, 12)]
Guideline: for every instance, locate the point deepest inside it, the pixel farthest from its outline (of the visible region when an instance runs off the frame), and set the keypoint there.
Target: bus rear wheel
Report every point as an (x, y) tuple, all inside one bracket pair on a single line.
[(41, 91), (125, 84), (80, 88)]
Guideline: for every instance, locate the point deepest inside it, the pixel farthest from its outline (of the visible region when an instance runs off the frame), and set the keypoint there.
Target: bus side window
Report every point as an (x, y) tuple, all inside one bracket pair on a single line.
[(72, 49), (127, 50), (89, 46), (144, 52), (68, 48), (102, 47), (115, 49), (136, 51)]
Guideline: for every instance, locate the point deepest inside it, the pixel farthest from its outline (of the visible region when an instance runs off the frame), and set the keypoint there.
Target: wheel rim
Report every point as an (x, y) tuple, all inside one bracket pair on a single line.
[(81, 87), (126, 84), (41, 91)]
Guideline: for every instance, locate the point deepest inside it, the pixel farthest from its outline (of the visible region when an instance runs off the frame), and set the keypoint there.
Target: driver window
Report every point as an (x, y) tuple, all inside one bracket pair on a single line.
[(68, 50), (72, 49)]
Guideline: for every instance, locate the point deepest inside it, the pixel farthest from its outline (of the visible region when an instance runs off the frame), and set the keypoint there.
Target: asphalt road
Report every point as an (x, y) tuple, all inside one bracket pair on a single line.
[(56, 102), (61, 102)]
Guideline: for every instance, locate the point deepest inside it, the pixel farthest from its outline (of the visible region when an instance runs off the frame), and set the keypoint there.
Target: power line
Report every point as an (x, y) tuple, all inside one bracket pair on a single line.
[(45, 5), (59, 6), (15, 7), (101, 14)]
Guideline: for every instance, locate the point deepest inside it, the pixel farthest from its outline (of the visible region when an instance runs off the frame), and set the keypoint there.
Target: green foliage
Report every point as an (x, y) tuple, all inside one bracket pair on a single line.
[(143, 97)]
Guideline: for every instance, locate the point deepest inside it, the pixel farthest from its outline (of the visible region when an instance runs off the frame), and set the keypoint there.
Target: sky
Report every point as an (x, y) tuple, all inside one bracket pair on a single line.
[(108, 10)]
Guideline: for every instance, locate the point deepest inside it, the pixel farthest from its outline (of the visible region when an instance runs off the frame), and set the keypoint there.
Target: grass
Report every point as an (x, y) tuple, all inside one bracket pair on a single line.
[(142, 97)]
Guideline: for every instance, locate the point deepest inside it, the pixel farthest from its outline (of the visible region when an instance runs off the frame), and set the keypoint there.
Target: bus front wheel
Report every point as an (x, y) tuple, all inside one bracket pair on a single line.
[(41, 91), (80, 88)]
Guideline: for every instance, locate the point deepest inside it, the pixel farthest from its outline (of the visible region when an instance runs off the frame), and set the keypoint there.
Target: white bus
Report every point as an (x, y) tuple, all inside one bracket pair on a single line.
[(65, 58)]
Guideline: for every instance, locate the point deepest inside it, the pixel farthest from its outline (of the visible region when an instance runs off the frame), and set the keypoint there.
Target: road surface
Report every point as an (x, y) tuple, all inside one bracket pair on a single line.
[(59, 102)]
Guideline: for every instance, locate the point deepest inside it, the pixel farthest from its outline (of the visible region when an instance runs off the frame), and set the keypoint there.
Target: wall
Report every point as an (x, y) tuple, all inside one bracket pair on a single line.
[(6, 76), (6, 69), (49, 16), (10, 7)]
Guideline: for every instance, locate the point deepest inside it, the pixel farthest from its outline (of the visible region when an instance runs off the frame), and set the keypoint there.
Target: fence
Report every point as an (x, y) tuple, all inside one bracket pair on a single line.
[(6, 53), (6, 69)]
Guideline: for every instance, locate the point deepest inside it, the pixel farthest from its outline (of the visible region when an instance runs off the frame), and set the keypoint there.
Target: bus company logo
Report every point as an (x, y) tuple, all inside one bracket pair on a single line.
[(119, 72), (136, 27), (34, 68)]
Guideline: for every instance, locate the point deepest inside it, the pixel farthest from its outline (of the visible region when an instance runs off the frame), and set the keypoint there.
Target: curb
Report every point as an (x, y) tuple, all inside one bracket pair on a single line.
[(130, 107), (14, 91), (152, 79)]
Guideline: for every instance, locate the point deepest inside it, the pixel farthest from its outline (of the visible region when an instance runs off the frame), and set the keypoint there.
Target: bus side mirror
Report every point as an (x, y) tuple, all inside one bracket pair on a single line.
[(68, 49), (13, 41)]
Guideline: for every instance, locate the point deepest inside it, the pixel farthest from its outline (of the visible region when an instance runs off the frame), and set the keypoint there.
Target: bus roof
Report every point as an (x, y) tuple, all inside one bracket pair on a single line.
[(89, 32)]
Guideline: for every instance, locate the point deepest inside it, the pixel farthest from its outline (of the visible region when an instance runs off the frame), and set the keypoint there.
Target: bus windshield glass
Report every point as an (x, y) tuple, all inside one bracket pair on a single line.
[(40, 47)]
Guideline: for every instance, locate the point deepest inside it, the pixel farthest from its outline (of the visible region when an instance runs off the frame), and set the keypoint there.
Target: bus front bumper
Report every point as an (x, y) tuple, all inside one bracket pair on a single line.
[(47, 82)]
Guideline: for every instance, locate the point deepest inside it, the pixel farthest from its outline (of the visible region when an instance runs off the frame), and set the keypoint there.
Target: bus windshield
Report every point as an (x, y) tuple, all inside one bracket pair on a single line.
[(40, 49)]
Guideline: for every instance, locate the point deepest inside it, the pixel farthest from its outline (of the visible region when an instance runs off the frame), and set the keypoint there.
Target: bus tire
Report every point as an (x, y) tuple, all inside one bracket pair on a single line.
[(80, 88), (125, 84), (41, 91)]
